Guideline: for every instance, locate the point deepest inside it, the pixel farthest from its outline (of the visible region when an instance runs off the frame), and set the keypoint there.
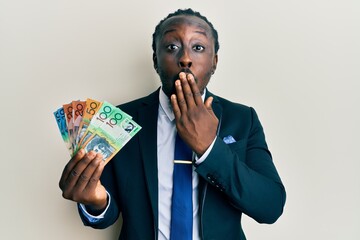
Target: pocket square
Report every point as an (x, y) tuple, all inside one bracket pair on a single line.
[(229, 139)]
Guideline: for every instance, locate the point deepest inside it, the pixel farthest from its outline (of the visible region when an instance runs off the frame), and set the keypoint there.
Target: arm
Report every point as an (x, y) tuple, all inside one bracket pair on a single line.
[(245, 172)]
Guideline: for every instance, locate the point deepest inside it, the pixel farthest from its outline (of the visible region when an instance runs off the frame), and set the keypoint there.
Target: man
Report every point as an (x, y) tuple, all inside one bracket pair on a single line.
[(232, 171)]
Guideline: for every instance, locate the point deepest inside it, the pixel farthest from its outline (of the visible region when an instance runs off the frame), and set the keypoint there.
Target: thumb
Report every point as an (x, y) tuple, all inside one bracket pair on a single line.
[(208, 104)]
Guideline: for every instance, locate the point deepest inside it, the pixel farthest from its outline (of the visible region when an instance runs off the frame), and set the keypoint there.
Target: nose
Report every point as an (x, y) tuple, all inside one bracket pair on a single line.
[(185, 59)]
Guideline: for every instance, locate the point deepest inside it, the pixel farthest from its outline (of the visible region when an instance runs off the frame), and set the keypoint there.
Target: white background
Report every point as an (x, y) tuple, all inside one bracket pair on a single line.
[(296, 62)]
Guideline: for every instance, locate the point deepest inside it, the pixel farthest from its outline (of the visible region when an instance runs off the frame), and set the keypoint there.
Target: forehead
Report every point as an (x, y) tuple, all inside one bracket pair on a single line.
[(184, 21)]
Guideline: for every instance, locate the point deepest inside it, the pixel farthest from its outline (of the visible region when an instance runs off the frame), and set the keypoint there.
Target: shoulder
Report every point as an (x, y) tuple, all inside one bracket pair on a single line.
[(230, 107), (236, 114), (132, 106)]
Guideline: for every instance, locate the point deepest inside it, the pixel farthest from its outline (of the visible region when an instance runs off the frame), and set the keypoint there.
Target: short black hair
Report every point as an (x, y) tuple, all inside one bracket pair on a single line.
[(188, 12)]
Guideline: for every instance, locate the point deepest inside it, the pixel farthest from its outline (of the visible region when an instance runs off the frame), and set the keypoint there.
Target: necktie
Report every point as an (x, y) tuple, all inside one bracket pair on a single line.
[(181, 207)]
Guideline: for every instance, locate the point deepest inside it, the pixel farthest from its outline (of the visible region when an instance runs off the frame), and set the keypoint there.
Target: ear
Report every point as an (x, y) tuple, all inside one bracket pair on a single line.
[(215, 61), (155, 62)]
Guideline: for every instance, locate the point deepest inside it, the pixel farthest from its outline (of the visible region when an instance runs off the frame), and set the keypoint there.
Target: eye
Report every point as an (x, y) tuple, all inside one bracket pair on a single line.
[(171, 47), (198, 48)]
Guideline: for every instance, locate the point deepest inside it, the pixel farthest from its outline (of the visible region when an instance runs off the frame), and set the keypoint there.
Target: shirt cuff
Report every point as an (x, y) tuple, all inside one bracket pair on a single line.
[(92, 218), (204, 156)]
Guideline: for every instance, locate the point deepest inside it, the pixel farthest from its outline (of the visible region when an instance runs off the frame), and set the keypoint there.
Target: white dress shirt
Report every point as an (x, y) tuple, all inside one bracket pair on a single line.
[(166, 132)]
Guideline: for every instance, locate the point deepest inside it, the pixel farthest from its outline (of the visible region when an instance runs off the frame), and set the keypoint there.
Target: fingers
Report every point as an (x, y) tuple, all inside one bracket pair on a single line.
[(187, 89), (68, 170), (82, 172), (91, 173), (178, 101), (96, 173), (187, 94), (180, 86), (175, 106), (77, 171), (190, 90), (195, 92)]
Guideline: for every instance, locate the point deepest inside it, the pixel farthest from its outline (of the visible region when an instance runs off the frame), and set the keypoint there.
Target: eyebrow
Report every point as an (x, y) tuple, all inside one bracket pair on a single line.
[(202, 32), (172, 30), (168, 31)]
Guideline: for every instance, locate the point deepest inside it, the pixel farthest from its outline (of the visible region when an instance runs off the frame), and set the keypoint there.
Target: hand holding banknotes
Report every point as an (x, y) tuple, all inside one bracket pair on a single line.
[(80, 180), (93, 132)]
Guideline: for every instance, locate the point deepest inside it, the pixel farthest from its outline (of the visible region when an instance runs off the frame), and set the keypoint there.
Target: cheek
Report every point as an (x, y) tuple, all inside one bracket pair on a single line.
[(204, 77), (166, 59), (203, 80), (206, 69)]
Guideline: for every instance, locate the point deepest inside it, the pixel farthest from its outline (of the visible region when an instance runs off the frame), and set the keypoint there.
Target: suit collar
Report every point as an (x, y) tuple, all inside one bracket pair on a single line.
[(165, 104), (152, 98)]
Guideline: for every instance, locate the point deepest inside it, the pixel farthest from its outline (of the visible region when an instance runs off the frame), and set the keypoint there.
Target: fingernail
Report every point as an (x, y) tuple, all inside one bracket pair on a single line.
[(91, 154)]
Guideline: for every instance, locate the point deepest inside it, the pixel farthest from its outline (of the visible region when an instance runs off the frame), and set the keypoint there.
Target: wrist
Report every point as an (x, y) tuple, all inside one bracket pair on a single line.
[(202, 148), (98, 208)]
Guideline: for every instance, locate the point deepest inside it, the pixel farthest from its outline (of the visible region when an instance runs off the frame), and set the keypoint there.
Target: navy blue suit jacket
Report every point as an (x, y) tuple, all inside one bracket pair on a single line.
[(235, 178)]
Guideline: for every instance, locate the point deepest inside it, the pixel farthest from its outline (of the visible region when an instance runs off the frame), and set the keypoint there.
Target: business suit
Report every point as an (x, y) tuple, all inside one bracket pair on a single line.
[(235, 178)]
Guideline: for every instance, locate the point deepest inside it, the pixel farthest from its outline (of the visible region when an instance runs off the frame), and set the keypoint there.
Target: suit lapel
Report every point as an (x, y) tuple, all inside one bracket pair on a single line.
[(148, 116)]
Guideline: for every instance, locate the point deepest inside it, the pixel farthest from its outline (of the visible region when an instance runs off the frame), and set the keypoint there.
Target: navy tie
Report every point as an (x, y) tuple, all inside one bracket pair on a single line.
[(181, 207)]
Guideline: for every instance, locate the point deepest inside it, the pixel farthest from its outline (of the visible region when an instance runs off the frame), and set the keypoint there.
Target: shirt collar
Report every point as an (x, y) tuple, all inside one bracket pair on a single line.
[(165, 104)]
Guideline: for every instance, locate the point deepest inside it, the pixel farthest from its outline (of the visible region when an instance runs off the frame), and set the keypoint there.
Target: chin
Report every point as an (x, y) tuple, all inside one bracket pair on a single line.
[(168, 90)]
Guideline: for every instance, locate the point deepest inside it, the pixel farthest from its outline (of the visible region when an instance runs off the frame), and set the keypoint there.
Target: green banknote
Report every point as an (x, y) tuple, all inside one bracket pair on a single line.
[(98, 119), (110, 132)]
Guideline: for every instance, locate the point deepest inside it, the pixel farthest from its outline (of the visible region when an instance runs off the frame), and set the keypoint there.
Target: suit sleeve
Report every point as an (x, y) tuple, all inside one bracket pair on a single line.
[(108, 219), (244, 172)]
